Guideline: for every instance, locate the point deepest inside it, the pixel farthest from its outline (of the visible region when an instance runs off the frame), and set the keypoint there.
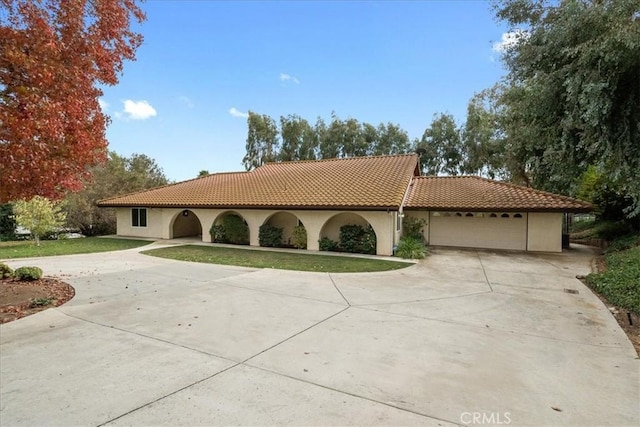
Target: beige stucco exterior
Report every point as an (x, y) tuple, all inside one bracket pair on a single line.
[(536, 232), (318, 223), (522, 231), (545, 232)]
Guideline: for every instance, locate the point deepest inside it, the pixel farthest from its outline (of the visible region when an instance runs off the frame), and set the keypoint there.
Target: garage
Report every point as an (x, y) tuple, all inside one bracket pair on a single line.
[(490, 230)]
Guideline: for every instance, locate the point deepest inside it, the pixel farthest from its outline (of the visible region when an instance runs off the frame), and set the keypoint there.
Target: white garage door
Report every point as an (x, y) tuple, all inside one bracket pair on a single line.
[(491, 230)]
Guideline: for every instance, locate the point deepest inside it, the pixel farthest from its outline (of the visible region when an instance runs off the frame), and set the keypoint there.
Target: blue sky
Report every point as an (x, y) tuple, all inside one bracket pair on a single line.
[(204, 64)]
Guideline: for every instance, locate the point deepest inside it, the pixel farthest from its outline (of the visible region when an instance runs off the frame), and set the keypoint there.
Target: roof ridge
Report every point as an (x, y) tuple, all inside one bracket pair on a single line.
[(337, 159)]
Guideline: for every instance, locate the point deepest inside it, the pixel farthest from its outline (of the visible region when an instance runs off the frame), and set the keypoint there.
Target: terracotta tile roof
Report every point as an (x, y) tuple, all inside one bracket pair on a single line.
[(472, 193), (359, 182)]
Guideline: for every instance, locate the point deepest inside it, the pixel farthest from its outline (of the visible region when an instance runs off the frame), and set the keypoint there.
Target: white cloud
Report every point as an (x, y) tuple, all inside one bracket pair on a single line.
[(104, 105), (186, 101), (139, 110), (284, 77), (509, 40), (237, 113)]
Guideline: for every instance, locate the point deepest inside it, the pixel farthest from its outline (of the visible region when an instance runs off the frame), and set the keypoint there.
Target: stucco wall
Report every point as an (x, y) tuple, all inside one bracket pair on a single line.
[(152, 230), (545, 232), (161, 220)]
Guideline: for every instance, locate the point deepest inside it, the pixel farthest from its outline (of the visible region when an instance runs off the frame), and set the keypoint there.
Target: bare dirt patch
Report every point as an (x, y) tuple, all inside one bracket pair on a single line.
[(22, 298)]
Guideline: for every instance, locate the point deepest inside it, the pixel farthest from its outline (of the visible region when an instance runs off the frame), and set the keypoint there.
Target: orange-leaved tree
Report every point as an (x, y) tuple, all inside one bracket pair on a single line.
[(54, 54)]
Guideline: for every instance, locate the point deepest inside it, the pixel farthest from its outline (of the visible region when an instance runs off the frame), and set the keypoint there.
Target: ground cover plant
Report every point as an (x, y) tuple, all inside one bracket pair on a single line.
[(620, 282), (26, 249), (275, 259)]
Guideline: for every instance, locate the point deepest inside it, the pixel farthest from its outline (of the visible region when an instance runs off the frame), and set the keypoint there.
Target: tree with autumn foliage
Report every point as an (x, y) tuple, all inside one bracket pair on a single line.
[(53, 56)]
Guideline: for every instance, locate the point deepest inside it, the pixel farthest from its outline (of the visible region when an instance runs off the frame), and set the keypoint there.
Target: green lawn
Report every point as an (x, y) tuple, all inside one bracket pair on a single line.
[(620, 282), (274, 259), (28, 249)]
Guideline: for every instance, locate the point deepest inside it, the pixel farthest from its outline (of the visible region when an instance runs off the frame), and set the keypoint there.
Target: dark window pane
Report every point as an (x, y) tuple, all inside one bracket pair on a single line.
[(134, 218), (143, 217)]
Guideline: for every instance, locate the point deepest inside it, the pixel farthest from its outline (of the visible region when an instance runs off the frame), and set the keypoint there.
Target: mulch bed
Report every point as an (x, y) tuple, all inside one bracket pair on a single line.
[(20, 298)]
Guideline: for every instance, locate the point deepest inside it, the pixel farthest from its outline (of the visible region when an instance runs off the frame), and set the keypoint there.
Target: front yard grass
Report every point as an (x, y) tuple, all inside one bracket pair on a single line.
[(28, 249), (274, 259)]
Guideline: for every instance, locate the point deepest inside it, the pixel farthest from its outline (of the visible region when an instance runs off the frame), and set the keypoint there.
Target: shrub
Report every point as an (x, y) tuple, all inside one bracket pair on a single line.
[(217, 234), (270, 236), (236, 230), (624, 243), (232, 229), (5, 271), (412, 227), (612, 230), (326, 244), (40, 302), (28, 273), (357, 239), (299, 237), (369, 241), (411, 248), (7, 223)]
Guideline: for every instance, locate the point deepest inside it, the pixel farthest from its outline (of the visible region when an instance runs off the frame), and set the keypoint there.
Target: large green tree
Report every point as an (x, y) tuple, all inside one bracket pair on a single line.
[(441, 143), (573, 97), (299, 140), (119, 175), (262, 141)]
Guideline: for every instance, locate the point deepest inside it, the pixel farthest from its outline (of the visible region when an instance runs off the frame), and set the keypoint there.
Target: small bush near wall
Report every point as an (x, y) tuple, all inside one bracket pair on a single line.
[(411, 248), (217, 234), (326, 244), (357, 239), (232, 230), (236, 230), (299, 237), (28, 273), (413, 227), (270, 236)]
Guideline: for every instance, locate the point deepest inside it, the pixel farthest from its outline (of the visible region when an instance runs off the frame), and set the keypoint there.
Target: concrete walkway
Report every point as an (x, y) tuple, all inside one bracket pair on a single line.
[(462, 338)]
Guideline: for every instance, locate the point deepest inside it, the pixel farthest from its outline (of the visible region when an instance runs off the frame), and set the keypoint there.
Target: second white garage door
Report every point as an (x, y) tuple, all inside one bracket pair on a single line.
[(491, 230)]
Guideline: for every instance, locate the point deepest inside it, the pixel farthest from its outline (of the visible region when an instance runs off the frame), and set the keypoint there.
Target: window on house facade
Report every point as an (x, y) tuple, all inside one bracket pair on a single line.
[(139, 217)]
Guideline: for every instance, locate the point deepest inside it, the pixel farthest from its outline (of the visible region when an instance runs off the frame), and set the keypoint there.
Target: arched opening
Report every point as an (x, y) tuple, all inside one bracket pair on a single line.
[(291, 231), (348, 232), (230, 227), (187, 224)]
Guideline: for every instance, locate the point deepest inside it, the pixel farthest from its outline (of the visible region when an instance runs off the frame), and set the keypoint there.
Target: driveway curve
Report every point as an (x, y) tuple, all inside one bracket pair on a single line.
[(461, 338)]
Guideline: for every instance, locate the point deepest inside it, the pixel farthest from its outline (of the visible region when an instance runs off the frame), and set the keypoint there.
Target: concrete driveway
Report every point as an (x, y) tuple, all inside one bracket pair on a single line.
[(463, 337)]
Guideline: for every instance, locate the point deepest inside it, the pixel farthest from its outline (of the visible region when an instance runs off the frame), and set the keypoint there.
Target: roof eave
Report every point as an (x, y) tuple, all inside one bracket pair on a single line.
[(257, 207)]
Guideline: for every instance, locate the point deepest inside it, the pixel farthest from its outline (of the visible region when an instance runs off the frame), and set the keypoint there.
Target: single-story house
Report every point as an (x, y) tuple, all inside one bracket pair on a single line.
[(378, 191)]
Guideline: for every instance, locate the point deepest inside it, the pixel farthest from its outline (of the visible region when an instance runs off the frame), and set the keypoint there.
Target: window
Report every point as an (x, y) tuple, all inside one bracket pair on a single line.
[(517, 215), (139, 217), (505, 215)]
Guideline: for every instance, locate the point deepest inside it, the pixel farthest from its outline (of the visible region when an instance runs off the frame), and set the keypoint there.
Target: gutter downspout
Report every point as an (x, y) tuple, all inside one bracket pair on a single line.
[(401, 212)]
